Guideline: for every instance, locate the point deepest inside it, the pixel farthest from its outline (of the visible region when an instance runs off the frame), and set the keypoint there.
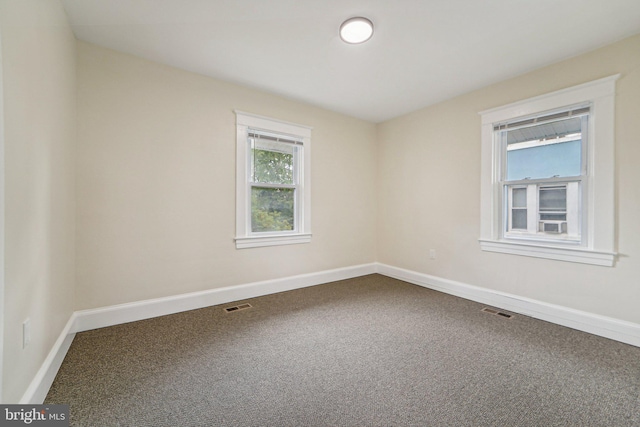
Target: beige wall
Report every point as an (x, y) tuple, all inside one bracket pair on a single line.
[(152, 211), (38, 59), (429, 175), (156, 183)]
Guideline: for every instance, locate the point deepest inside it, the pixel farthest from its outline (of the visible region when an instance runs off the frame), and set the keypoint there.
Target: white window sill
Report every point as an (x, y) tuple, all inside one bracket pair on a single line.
[(271, 240), (579, 255)]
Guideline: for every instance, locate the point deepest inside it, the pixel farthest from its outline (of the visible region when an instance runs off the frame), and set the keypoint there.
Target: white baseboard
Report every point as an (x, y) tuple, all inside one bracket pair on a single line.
[(619, 330), (123, 313), (84, 320), (140, 310), (39, 387)]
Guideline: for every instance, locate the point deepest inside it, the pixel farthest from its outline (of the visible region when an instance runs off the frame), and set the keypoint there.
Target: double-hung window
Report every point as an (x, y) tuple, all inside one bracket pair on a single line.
[(543, 175), (547, 184), (272, 182)]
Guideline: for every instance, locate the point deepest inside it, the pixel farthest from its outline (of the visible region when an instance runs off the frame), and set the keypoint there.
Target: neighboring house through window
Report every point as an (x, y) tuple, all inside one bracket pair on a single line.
[(272, 183), (541, 196)]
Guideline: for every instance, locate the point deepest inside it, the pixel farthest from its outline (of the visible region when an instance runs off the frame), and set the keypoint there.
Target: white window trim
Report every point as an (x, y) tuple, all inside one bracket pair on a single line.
[(244, 237), (599, 248)]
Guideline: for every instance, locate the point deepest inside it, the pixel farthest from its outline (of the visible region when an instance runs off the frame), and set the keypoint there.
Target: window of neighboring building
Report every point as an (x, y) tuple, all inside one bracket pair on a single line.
[(272, 182), (541, 196)]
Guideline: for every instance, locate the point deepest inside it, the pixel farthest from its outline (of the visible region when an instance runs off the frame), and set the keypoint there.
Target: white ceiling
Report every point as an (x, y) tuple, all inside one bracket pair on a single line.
[(422, 51)]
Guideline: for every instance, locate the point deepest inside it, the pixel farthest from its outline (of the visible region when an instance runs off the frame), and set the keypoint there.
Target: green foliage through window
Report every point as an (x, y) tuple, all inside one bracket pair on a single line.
[(272, 167), (272, 208)]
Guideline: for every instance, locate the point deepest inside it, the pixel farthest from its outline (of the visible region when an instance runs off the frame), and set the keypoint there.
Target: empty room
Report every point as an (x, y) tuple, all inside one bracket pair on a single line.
[(320, 213)]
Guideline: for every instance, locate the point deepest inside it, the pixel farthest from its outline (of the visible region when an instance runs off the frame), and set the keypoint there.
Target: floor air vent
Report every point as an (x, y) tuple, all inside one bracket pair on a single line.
[(497, 313), (237, 308)]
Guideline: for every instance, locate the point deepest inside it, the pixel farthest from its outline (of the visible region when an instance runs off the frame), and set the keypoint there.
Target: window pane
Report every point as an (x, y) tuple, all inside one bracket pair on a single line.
[(553, 217), (519, 198), (553, 199), (561, 159), (545, 150), (272, 209), (519, 219), (272, 162)]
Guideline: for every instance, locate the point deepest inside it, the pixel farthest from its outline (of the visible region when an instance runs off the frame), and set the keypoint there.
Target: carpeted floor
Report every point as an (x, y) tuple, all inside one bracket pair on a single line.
[(370, 351)]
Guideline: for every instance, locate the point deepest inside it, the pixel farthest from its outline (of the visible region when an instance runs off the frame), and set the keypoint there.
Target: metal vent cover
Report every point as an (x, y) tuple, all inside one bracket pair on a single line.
[(237, 308), (497, 313)]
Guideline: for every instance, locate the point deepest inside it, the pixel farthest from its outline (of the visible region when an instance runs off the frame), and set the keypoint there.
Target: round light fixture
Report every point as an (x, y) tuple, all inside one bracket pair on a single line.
[(356, 30)]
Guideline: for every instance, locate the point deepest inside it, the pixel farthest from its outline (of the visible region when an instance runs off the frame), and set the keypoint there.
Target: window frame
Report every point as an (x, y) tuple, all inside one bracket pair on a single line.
[(598, 227), (245, 237)]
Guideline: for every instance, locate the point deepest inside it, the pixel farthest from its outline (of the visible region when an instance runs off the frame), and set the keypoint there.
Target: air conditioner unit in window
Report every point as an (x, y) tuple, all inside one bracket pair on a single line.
[(557, 227)]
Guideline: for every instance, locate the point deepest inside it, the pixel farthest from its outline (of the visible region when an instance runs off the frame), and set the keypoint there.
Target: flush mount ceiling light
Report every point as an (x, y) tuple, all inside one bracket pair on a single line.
[(356, 30)]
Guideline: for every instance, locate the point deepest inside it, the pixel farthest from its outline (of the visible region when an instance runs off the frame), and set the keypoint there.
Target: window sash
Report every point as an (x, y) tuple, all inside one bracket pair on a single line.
[(535, 214), (294, 217), (501, 137)]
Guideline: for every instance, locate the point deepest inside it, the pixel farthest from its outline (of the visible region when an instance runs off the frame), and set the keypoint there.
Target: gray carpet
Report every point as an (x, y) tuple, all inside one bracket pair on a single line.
[(370, 351)]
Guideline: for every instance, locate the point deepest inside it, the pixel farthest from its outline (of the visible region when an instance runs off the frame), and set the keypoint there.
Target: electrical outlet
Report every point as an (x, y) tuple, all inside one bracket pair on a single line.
[(26, 333), (432, 254)]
